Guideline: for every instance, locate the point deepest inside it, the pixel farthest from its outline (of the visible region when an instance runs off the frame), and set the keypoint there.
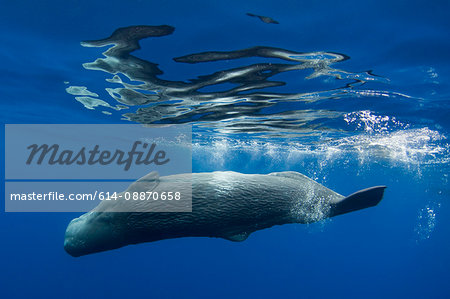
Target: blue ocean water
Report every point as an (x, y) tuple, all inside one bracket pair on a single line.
[(359, 98)]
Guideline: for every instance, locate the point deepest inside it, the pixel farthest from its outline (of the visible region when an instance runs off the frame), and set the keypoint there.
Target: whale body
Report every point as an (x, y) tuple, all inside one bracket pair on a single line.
[(227, 205)]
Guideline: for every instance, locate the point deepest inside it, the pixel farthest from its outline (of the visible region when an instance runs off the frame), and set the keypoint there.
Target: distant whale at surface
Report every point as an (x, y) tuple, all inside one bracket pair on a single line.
[(266, 20), (227, 205)]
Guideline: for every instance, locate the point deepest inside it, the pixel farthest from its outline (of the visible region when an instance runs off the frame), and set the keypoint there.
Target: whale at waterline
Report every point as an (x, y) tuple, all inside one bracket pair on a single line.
[(227, 205)]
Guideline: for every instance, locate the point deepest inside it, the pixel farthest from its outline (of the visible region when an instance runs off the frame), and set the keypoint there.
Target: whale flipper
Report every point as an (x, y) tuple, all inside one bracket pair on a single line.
[(362, 199), (238, 237)]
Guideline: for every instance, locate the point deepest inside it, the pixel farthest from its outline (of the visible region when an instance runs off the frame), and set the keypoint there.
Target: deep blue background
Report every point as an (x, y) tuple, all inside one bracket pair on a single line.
[(387, 251)]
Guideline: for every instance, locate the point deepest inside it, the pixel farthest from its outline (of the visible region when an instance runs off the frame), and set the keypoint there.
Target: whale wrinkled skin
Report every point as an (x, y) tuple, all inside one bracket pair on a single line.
[(227, 205)]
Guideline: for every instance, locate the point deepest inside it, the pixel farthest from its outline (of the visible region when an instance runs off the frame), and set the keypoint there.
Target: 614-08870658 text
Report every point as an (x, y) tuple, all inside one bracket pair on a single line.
[(148, 195)]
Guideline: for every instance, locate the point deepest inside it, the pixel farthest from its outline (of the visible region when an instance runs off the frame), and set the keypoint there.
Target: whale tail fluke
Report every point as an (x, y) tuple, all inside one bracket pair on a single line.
[(360, 200)]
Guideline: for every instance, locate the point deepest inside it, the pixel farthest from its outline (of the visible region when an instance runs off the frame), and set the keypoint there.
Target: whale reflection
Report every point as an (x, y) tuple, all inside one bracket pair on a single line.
[(245, 106)]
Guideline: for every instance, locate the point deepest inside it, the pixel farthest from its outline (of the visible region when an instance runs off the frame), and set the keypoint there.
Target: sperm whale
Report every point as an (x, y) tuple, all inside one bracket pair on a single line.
[(227, 205)]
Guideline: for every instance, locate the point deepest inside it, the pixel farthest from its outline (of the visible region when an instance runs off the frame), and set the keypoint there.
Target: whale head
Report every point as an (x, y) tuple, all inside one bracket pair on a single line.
[(93, 232)]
